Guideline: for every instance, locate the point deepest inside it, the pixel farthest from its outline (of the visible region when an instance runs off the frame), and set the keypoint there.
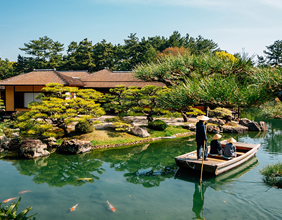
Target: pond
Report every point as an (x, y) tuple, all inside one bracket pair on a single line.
[(143, 182)]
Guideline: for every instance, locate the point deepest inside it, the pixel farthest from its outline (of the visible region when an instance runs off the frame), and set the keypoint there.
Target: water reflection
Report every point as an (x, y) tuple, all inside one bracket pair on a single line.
[(148, 164), (198, 200), (60, 170), (217, 183), (273, 140)]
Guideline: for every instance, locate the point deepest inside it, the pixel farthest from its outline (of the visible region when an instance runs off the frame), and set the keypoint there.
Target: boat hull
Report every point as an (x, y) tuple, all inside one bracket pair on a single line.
[(218, 165)]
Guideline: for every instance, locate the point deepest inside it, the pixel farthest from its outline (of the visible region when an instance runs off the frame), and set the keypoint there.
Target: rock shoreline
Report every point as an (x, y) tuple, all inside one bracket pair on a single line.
[(33, 148)]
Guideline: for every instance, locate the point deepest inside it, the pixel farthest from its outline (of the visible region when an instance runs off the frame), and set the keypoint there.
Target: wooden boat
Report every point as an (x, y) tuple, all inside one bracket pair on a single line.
[(218, 164)]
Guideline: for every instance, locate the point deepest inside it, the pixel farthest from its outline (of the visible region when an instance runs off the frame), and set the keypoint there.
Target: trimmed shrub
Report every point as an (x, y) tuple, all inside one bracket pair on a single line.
[(220, 112), (273, 175), (84, 127), (158, 125)]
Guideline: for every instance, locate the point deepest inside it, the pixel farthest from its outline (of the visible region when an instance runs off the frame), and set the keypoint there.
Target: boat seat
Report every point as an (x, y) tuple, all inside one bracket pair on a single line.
[(219, 156)]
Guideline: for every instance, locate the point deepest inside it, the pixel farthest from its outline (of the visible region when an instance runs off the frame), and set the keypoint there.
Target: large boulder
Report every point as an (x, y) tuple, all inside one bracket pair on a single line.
[(253, 125), (263, 126), (4, 141), (51, 142), (139, 131), (216, 121), (244, 121), (14, 144), (75, 146), (213, 129), (234, 130), (33, 148), (190, 127)]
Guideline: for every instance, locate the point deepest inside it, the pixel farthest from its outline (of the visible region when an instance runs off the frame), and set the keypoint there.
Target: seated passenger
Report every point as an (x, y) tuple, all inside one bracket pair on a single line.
[(230, 149), (216, 145)]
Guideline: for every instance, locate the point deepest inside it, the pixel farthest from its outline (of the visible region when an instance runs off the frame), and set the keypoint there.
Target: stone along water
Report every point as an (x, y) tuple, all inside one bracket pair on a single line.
[(143, 182)]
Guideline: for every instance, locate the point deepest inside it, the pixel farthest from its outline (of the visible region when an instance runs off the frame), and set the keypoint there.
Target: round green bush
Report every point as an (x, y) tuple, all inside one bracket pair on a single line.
[(158, 125), (84, 127)]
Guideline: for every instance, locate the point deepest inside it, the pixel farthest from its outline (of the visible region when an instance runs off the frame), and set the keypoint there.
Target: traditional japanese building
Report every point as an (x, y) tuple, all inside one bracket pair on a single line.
[(22, 89)]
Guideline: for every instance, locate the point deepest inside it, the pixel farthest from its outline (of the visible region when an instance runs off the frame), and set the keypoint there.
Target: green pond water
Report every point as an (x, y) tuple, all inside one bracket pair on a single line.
[(143, 182)]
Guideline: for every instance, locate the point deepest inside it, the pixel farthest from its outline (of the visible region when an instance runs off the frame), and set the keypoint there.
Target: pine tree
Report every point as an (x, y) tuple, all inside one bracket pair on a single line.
[(60, 106)]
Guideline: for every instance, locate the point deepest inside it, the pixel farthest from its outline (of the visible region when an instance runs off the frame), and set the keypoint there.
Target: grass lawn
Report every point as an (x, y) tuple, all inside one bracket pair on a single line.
[(105, 137)]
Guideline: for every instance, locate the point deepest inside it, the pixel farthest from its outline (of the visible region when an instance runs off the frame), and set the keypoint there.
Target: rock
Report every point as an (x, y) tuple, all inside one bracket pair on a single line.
[(254, 126), (263, 126), (4, 141), (244, 121), (16, 134), (190, 127), (139, 131), (234, 130), (216, 121), (51, 142), (75, 146), (14, 144), (213, 129), (33, 148)]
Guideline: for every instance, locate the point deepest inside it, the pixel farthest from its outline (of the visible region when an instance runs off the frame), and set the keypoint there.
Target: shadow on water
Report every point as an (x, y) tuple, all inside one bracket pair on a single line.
[(215, 182)]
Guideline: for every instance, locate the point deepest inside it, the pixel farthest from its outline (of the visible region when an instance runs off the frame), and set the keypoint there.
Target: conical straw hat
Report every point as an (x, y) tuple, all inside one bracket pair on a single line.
[(217, 136), (231, 140), (203, 118)]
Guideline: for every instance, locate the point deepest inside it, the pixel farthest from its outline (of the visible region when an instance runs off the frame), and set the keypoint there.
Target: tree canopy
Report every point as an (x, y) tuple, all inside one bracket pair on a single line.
[(46, 53), (59, 107)]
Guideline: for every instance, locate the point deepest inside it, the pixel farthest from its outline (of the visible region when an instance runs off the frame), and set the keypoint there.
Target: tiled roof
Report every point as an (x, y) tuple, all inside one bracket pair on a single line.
[(101, 79), (78, 73), (41, 77), (108, 79)]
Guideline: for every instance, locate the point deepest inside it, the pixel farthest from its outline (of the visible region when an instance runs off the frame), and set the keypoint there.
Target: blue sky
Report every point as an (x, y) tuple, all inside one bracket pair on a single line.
[(234, 25)]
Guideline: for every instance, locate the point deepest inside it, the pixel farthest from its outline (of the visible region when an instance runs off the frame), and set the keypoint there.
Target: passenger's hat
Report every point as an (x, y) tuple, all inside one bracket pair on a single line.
[(203, 118), (231, 140), (217, 136)]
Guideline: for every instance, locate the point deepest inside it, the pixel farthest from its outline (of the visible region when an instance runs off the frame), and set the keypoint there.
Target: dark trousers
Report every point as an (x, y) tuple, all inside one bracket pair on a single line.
[(199, 145)]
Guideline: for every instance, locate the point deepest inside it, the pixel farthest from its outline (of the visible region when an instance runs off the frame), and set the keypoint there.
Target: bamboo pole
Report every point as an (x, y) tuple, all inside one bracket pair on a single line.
[(203, 156)]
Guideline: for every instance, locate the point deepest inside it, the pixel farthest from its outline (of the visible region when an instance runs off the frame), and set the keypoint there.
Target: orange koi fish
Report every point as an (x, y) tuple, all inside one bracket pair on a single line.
[(8, 200), (111, 207), (24, 191), (73, 208)]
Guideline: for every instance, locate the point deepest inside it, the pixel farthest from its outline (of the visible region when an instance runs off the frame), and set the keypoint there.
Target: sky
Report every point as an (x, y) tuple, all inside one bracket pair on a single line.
[(236, 26)]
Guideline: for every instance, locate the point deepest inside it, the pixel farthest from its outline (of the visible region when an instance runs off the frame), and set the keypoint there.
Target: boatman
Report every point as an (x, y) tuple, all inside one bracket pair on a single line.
[(201, 136)]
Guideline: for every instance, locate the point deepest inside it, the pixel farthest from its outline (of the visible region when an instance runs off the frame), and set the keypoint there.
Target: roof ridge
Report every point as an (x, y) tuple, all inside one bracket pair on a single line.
[(61, 77)]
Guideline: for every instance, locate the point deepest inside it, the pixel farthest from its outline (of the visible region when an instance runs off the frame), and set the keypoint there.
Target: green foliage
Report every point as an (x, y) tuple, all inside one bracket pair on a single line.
[(114, 119), (135, 101), (220, 112), (272, 109), (7, 69), (84, 127), (194, 111), (60, 109), (172, 70), (274, 53), (158, 125), (273, 175), (121, 125), (10, 212), (216, 91), (46, 53)]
